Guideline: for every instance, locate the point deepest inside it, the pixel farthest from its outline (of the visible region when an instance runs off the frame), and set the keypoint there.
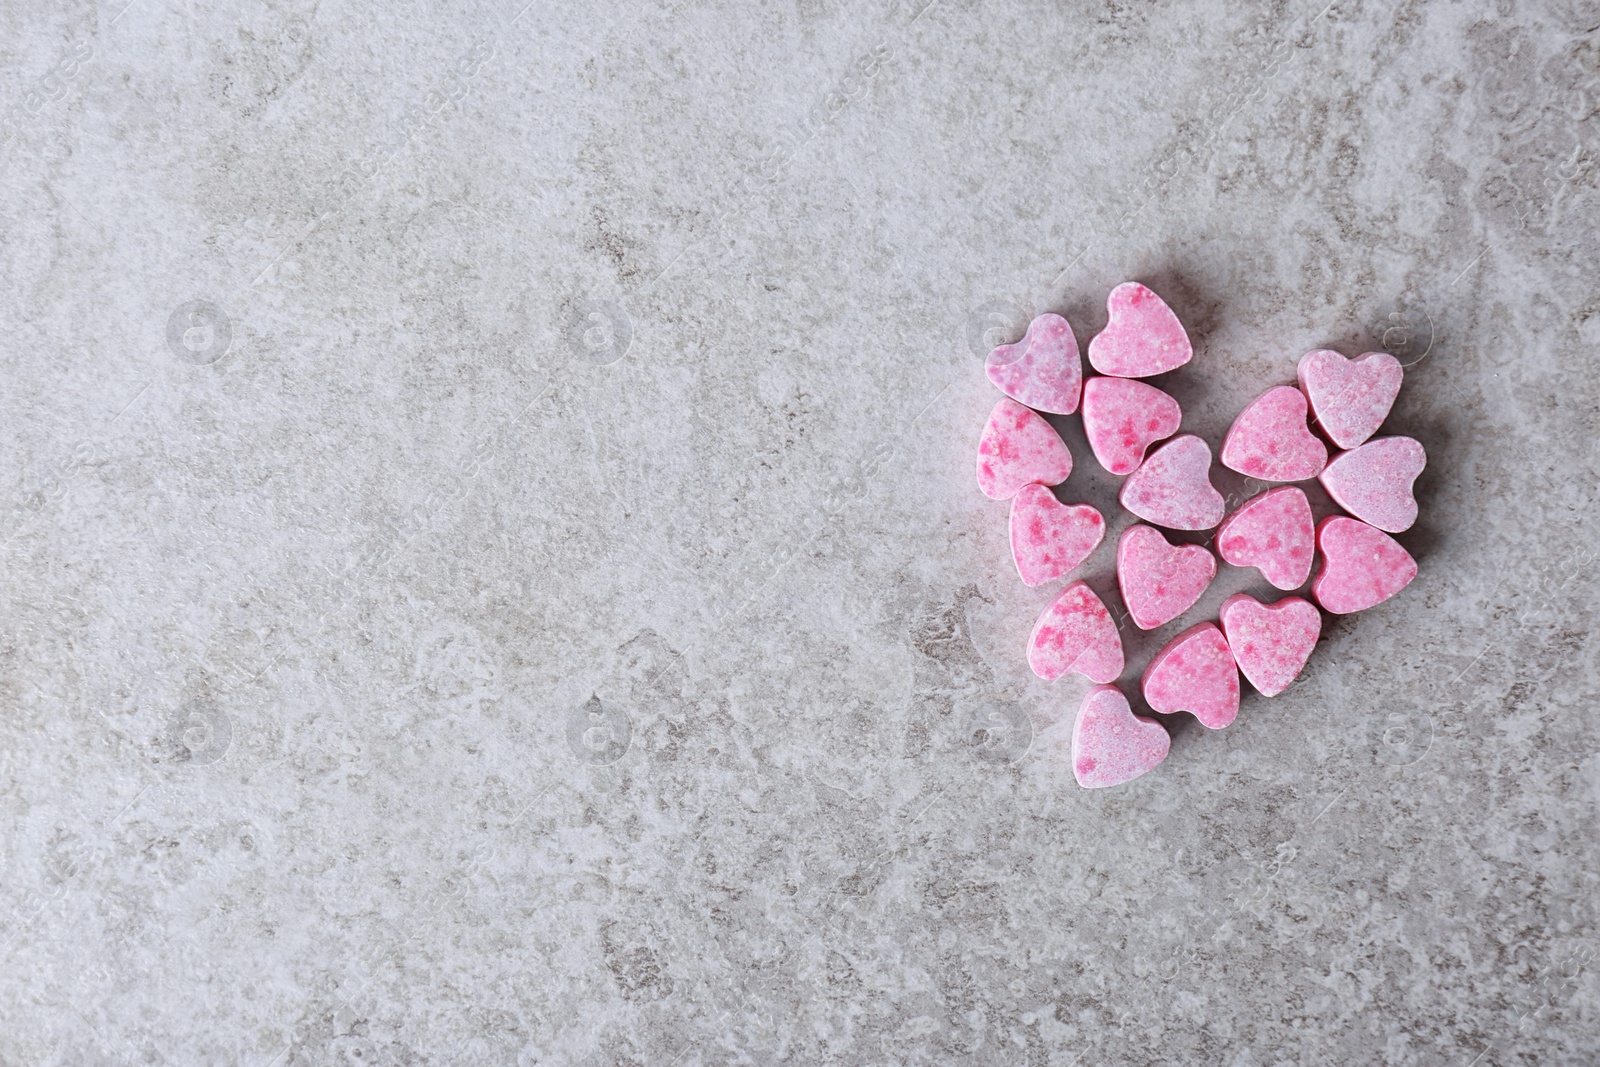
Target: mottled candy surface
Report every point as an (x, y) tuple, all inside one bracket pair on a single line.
[(1350, 397), (1195, 672), (1122, 418), (1112, 745), (1270, 439), (1043, 370), (1270, 643), (1172, 488), (1373, 482), (1019, 448), (1274, 533), (1049, 538), (1075, 633), (1160, 581), (1142, 335), (1361, 566)]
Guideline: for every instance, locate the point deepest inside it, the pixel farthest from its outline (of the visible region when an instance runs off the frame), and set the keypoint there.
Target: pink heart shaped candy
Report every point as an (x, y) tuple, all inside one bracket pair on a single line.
[(1075, 633), (1274, 533), (1112, 745), (1019, 448), (1195, 672), (1042, 370), (1361, 566), (1350, 397), (1172, 488), (1373, 482), (1142, 335), (1123, 418), (1160, 581), (1049, 538), (1270, 643), (1271, 441)]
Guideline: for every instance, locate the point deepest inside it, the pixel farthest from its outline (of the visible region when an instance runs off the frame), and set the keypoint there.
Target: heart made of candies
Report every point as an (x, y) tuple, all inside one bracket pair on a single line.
[(1020, 456)]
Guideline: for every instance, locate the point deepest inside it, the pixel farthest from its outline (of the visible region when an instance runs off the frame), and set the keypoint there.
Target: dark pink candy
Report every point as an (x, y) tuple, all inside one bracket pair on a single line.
[(1361, 566), (1274, 533), (1271, 441), (1075, 633), (1122, 418), (1019, 448), (1160, 581), (1195, 672), (1049, 538), (1042, 370), (1270, 643), (1112, 745)]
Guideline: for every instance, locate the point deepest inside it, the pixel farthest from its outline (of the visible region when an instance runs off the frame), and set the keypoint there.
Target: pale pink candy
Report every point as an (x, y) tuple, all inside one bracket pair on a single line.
[(1112, 745), (1195, 672), (1042, 370), (1274, 533), (1123, 418), (1049, 538), (1075, 633), (1361, 566), (1160, 581), (1271, 441), (1373, 482), (1142, 336), (1350, 397), (1270, 643), (1019, 448), (1172, 488)]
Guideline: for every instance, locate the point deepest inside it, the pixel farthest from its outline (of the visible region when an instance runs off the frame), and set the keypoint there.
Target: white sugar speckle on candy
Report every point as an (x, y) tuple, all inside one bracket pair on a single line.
[(1112, 745), (1019, 448), (1172, 488), (1122, 418), (1043, 369), (1076, 634)]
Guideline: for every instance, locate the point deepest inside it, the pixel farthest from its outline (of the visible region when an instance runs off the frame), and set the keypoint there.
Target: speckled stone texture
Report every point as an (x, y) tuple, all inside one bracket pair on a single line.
[(492, 571)]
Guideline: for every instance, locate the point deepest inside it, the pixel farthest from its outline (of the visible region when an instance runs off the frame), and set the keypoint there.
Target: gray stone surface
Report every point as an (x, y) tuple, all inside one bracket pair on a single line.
[(492, 571)]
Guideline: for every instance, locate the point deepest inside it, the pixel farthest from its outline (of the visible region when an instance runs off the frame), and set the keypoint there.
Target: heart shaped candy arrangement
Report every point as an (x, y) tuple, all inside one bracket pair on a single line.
[(1132, 428)]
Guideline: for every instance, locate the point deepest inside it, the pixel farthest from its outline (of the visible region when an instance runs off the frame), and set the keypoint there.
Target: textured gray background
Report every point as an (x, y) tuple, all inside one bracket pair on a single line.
[(538, 608)]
